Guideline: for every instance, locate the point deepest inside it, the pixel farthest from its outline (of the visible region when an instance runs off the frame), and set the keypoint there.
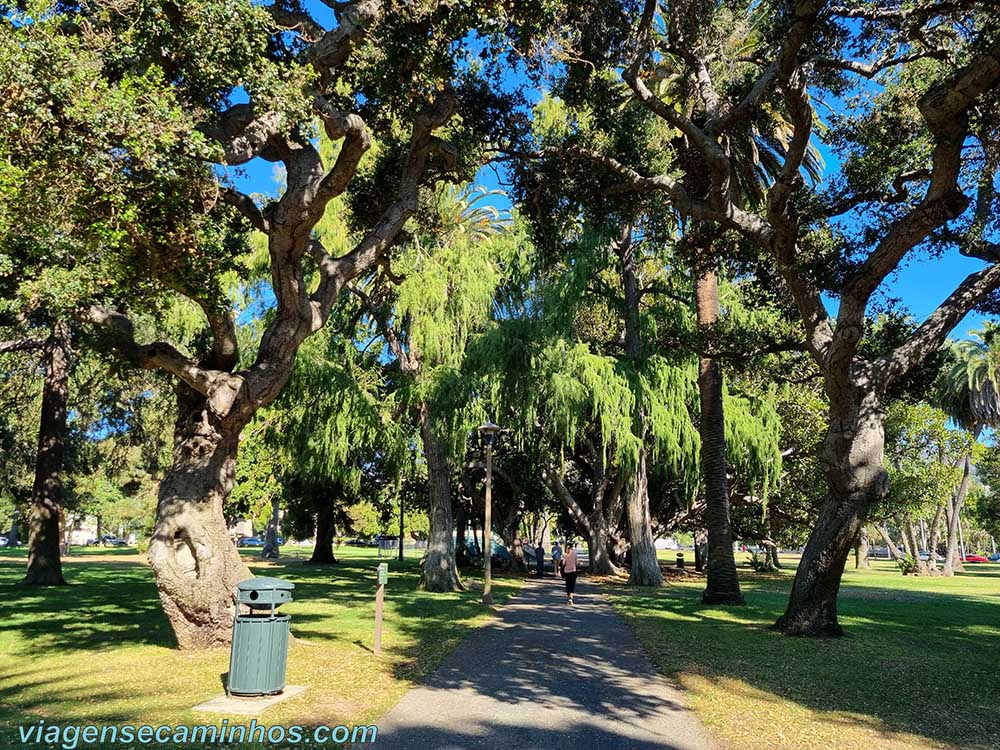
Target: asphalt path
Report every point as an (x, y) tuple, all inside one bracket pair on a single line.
[(548, 676)]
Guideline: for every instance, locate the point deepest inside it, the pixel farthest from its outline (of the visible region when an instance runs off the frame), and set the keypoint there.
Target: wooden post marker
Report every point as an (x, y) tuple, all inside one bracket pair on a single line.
[(383, 578)]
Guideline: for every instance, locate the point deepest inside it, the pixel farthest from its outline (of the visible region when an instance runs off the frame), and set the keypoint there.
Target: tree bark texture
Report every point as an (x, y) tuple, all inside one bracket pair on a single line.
[(44, 563), (196, 563), (13, 536), (700, 550), (597, 548), (722, 584), (645, 569), (439, 571), (271, 549), (890, 543), (911, 534), (853, 463), (861, 551), (325, 532), (935, 536), (952, 559), (593, 526)]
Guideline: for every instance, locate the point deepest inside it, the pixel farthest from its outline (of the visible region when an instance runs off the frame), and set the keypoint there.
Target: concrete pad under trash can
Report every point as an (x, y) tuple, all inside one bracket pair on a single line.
[(248, 705)]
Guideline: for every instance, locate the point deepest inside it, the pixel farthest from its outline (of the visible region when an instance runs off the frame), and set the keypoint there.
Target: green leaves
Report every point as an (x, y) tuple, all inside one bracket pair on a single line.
[(923, 457)]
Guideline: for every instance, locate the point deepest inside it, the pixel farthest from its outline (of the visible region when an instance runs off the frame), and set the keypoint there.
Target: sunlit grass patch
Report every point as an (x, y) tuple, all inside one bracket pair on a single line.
[(917, 669), (101, 650)]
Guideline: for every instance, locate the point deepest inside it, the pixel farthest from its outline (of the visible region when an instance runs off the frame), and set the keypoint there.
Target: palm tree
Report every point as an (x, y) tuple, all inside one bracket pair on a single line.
[(969, 391), (756, 153)]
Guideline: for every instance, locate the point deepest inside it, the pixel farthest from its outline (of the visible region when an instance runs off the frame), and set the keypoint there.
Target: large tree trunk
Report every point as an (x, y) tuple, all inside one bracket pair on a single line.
[(271, 550), (861, 551), (44, 564), (773, 551), (597, 547), (439, 571), (517, 555), (593, 526), (722, 584), (890, 544), (932, 543), (196, 564), (910, 532), (325, 532), (700, 549), (13, 537), (645, 569), (852, 458), (952, 558)]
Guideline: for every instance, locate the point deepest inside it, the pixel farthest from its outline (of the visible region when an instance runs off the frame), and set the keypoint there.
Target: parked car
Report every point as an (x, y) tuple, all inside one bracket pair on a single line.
[(361, 543), (250, 541), (110, 540), (3, 541), (995, 557), (975, 559)]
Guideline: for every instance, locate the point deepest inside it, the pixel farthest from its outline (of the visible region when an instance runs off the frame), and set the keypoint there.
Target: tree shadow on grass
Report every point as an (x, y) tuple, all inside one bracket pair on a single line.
[(909, 657), (106, 605)]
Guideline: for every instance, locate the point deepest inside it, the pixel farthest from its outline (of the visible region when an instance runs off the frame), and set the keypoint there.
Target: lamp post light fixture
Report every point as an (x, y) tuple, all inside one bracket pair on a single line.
[(488, 433)]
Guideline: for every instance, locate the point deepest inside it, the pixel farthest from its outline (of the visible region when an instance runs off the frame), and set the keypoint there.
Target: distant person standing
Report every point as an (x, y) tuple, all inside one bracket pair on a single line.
[(540, 559), (557, 555), (569, 572)]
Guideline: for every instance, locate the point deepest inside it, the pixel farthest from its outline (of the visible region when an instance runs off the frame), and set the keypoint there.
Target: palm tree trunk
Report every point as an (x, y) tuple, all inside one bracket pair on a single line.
[(722, 585)]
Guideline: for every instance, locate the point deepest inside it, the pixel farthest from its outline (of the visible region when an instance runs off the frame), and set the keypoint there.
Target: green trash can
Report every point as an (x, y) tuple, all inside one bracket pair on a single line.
[(260, 638)]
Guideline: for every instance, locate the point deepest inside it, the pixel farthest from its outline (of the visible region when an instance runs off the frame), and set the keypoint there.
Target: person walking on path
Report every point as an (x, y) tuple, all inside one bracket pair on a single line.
[(540, 559), (569, 572), (557, 555)]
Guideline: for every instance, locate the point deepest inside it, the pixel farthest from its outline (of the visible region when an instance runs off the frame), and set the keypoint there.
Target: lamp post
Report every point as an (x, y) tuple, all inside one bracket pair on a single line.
[(488, 432)]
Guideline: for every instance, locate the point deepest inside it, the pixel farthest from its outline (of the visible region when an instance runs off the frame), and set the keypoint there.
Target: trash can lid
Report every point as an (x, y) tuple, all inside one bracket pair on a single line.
[(264, 582)]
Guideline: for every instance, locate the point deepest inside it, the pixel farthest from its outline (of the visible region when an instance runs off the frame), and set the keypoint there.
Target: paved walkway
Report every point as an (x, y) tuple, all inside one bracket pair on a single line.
[(545, 676)]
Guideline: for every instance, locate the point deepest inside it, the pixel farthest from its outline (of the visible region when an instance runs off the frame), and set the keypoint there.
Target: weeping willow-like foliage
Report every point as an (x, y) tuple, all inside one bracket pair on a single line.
[(563, 390), (451, 273), (969, 389), (753, 432), (336, 412)]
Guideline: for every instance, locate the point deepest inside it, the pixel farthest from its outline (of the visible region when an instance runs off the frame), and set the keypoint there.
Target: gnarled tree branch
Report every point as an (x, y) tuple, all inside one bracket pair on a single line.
[(219, 387)]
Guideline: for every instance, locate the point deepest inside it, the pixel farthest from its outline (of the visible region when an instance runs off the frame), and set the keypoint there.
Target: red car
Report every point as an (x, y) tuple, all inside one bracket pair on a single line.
[(975, 559)]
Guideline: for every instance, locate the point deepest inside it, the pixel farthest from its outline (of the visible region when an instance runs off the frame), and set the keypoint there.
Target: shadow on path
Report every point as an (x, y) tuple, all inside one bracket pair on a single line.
[(546, 675)]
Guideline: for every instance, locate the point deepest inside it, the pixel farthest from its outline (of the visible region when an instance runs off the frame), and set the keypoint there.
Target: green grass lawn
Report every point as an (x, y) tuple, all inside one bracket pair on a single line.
[(100, 649), (918, 668)]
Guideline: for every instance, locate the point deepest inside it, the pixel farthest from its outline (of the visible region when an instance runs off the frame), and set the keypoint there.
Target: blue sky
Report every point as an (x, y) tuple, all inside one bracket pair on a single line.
[(920, 284)]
